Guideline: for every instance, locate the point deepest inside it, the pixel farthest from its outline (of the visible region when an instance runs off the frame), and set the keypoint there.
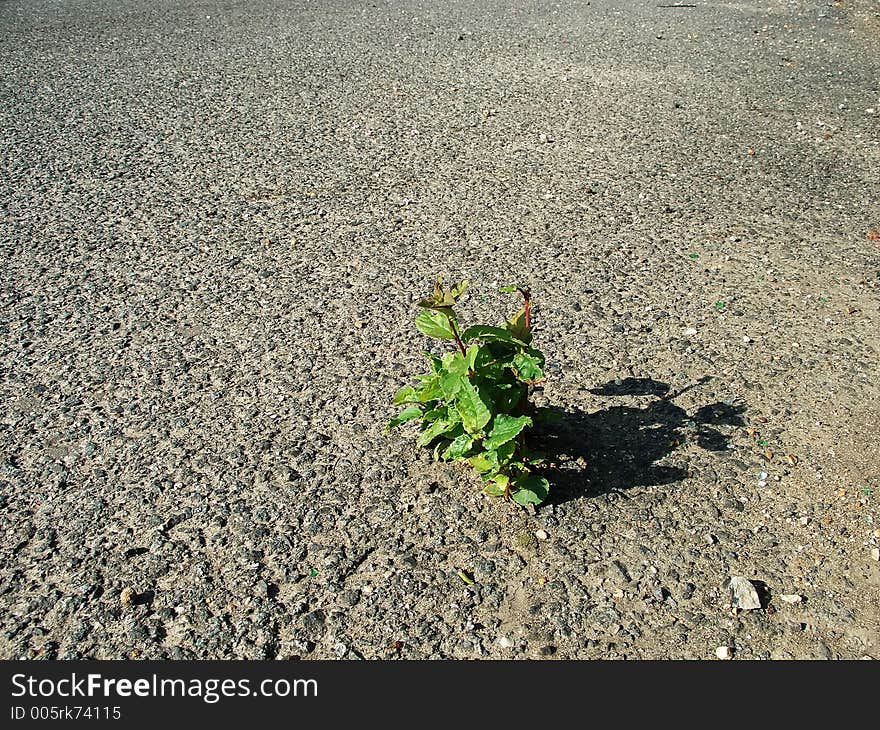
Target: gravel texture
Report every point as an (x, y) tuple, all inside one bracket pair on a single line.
[(216, 217)]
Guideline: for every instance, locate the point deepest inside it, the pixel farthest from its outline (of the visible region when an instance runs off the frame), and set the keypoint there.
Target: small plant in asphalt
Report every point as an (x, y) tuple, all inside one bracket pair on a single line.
[(473, 402)]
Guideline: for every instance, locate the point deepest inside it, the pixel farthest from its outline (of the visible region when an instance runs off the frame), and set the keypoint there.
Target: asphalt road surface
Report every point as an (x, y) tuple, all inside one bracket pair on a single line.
[(215, 220)]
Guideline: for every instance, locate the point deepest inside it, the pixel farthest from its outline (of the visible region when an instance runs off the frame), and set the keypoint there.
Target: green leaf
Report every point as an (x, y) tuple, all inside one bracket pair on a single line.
[(436, 362), (451, 383), (471, 356), (459, 289), (458, 447), (474, 412), (407, 414), (435, 324), (430, 390), (530, 489), (505, 428), (508, 395), (455, 362), (505, 453), (510, 289), (485, 461), (497, 485), (489, 334), (436, 298), (527, 367), (438, 428), (487, 365), (516, 325), (444, 299), (435, 413), (493, 489), (407, 394)]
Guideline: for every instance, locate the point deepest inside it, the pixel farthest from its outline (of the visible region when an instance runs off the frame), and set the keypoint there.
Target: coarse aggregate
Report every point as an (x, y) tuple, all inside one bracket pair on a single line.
[(216, 218)]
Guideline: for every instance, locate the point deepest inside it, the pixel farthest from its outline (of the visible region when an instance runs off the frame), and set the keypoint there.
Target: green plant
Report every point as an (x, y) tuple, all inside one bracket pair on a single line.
[(473, 403)]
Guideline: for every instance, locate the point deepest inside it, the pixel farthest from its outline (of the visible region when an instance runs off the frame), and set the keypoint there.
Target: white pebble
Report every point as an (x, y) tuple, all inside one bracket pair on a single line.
[(541, 534), (724, 652)]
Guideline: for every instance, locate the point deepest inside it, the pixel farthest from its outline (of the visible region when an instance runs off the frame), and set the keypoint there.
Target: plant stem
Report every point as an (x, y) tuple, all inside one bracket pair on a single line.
[(457, 336), (460, 344)]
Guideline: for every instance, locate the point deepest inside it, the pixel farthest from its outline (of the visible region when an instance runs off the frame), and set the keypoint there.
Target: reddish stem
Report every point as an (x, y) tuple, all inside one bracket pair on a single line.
[(458, 342), (457, 337)]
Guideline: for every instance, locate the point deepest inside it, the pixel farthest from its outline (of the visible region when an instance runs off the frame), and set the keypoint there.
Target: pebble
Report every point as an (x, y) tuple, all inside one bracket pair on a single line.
[(791, 598), (743, 594), (126, 597), (690, 331), (875, 553), (505, 642), (541, 534), (724, 652)]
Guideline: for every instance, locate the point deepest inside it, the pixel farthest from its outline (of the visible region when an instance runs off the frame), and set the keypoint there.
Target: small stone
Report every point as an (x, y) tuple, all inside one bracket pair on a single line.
[(542, 138), (505, 642), (791, 598), (746, 339), (724, 652), (340, 650), (875, 553), (690, 331), (877, 533), (126, 597), (541, 534), (743, 594), (710, 539), (314, 620)]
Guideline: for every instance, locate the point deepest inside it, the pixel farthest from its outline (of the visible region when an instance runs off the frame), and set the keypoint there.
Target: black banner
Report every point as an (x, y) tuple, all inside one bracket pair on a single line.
[(145, 693)]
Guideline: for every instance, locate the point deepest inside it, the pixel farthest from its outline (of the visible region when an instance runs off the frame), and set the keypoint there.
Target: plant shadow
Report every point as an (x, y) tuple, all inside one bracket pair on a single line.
[(620, 447)]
